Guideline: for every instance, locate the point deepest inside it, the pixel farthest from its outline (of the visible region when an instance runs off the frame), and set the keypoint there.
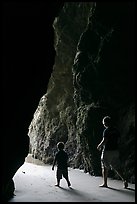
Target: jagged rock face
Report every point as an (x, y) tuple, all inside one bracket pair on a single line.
[(103, 76), (93, 76), (56, 111)]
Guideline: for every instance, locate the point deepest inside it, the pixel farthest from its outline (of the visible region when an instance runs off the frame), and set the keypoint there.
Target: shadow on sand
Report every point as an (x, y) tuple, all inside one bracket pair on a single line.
[(79, 194)]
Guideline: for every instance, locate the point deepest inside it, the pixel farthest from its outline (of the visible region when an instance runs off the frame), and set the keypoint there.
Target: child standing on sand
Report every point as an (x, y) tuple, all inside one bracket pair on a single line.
[(61, 158)]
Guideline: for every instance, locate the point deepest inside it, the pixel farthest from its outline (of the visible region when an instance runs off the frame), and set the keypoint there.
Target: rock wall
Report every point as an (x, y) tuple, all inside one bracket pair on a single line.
[(55, 117), (93, 76)]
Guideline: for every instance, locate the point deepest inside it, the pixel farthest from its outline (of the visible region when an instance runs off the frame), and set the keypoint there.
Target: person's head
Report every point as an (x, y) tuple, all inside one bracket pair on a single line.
[(60, 145), (106, 121)]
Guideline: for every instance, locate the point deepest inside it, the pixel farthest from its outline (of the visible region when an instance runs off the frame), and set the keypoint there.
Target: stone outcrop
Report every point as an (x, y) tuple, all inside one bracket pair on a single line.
[(93, 76)]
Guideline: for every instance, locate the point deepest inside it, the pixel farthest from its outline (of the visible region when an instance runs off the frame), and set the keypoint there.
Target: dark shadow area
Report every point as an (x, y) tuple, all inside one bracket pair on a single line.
[(28, 59), (76, 192), (130, 192)]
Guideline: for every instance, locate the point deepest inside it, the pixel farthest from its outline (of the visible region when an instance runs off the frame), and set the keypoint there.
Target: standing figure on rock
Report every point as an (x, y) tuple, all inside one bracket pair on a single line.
[(61, 158), (110, 154)]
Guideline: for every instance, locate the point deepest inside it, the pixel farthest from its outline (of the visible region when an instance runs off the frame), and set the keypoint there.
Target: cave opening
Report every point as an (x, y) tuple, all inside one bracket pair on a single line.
[(82, 58)]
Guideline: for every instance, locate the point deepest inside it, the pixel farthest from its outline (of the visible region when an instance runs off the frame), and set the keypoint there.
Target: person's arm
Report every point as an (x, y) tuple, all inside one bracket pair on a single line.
[(103, 142), (54, 162)]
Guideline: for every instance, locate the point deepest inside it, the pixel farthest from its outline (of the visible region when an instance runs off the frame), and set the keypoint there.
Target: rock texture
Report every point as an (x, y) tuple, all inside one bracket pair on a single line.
[(93, 76)]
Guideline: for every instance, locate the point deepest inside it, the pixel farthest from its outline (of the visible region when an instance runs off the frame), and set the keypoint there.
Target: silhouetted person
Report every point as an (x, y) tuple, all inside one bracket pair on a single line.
[(110, 153), (61, 158)]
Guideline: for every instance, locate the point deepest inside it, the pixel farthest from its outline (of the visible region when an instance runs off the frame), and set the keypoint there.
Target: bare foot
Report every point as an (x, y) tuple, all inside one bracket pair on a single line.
[(57, 185), (125, 184), (103, 185)]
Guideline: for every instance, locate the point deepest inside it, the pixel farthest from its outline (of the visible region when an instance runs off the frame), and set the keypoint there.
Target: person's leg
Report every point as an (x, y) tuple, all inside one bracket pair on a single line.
[(121, 175), (104, 175), (65, 175), (59, 176), (58, 182), (116, 166), (69, 184), (104, 168)]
